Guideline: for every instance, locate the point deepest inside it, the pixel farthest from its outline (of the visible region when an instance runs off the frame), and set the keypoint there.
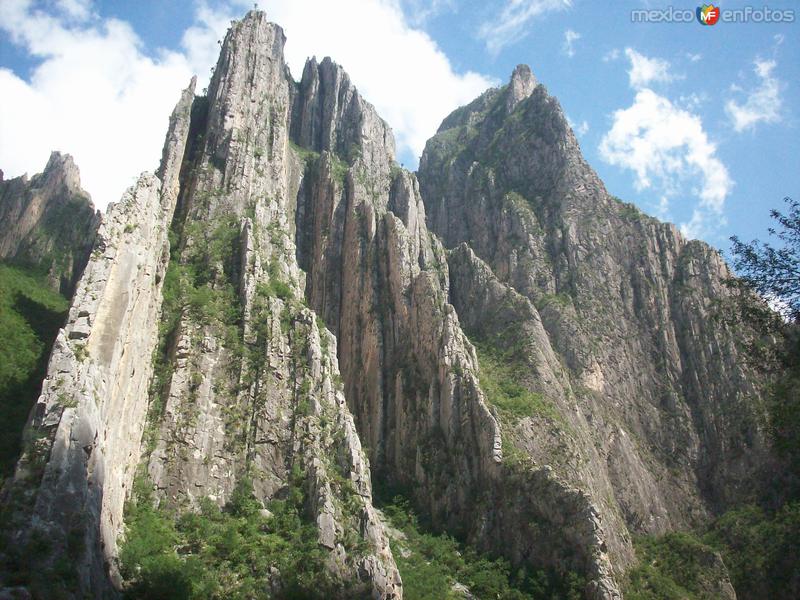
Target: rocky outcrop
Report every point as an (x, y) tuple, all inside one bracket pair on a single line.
[(49, 222), (82, 443), (272, 307), (380, 281), (651, 411), (248, 380)]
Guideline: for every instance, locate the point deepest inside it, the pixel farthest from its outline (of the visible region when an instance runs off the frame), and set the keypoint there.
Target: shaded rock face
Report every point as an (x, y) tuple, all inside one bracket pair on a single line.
[(380, 281), (189, 352), (249, 381), (49, 222), (655, 415)]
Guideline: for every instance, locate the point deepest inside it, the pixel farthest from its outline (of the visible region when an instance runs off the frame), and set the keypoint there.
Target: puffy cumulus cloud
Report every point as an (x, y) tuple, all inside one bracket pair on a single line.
[(668, 150), (403, 73), (510, 25), (98, 95), (76, 9), (645, 71), (763, 102), (570, 37), (94, 94)]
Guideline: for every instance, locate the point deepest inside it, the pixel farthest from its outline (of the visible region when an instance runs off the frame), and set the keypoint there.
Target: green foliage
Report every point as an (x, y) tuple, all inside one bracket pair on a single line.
[(501, 377), (237, 552), (676, 566), (770, 339), (30, 316), (760, 550), (562, 300), (430, 564), (306, 155), (339, 169), (774, 271), (629, 211)]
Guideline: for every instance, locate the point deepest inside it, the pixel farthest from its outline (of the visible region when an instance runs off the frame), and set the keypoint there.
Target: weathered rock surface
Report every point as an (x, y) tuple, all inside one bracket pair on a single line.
[(83, 438), (49, 222), (380, 281), (251, 384), (656, 416), (273, 299)]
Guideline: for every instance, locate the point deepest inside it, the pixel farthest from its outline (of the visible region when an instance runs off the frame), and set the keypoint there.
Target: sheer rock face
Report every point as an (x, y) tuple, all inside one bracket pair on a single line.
[(380, 281), (83, 438), (245, 381), (49, 222), (258, 393), (658, 419), (278, 205)]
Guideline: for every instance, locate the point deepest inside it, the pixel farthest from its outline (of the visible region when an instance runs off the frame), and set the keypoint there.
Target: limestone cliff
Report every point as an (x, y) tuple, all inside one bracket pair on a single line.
[(49, 222), (272, 306), (650, 409), (380, 280)]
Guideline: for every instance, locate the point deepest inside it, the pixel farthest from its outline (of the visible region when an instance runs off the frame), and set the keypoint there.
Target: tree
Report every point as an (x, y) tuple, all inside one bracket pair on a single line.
[(774, 273), (773, 314)]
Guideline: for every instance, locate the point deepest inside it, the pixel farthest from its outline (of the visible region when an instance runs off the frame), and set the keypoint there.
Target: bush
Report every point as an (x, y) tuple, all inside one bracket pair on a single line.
[(761, 550), (500, 377), (761, 553), (431, 563), (230, 552), (30, 316)]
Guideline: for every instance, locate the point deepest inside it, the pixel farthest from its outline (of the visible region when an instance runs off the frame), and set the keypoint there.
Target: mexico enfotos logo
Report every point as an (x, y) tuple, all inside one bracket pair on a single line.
[(711, 14)]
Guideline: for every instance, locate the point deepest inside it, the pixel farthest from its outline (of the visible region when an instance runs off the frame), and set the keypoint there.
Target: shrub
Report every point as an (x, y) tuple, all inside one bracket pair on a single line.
[(30, 316), (431, 563), (229, 552)]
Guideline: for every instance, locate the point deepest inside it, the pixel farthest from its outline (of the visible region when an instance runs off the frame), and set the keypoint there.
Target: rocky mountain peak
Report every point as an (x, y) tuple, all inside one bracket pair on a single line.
[(61, 169), (521, 86), (330, 115), (49, 222)]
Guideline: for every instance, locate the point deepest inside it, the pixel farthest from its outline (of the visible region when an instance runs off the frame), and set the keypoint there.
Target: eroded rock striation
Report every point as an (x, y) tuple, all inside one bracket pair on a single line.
[(651, 409), (282, 303)]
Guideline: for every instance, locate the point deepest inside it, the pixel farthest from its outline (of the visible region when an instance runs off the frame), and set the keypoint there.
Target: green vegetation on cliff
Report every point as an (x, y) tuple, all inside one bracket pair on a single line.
[(239, 551), (30, 316), (502, 378), (432, 564), (760, 550)]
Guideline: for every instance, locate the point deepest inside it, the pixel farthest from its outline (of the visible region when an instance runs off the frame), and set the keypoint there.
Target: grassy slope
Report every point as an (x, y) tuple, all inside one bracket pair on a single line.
[(30, 316)]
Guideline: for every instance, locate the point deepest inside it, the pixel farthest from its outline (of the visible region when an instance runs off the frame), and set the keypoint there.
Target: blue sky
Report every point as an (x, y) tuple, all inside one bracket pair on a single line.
[(695, 124)]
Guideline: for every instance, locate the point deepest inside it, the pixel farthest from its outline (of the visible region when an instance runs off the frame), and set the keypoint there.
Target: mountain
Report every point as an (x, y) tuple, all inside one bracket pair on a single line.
[(281, 317), (48, 222)]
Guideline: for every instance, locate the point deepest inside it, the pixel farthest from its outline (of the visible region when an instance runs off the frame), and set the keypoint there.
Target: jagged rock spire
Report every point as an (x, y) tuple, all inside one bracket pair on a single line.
[(521, 86)]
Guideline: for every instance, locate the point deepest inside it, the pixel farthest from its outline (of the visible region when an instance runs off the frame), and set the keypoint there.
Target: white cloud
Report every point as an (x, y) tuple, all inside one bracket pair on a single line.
[(763, 103), (580, 129), (75, 9), (570, 37), (509, 26), (419, 12), (404, 74), (98, 96), (645, 71), (94, 95), (694, 57), (668, 150), (611, 55)]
